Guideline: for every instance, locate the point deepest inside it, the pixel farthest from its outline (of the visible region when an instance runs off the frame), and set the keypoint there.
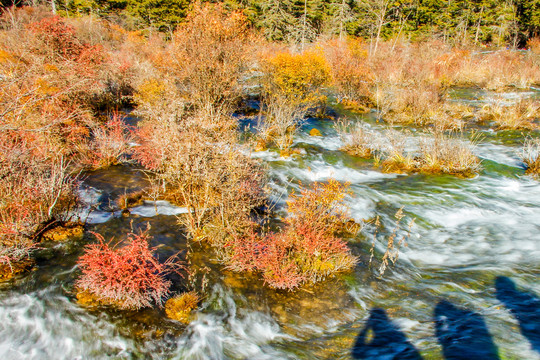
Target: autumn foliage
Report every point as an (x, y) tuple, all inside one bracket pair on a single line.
[(291, 84), (309, 248), (129, 277), (188, 138)]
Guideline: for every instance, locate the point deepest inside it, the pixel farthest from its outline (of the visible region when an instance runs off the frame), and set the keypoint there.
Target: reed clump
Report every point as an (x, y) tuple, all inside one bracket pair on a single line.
[(522, 114), (531, 155)]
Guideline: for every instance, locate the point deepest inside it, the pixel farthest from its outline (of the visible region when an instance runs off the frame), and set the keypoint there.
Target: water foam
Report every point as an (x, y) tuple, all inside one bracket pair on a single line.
[(46, 325), (230, 332)]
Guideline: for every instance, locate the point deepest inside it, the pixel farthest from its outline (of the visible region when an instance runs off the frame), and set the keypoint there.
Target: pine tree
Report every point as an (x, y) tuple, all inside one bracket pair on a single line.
[(277, 19), (338, 15), (161, 14)]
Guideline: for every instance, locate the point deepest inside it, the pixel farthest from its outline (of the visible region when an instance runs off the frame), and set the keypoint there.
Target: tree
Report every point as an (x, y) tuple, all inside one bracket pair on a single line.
[(338, 15), (277, 19), (378, 12), (161, 14)]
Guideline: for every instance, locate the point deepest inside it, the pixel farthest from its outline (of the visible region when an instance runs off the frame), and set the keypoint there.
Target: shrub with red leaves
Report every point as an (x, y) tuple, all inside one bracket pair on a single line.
[(110, 145), (62, 40), (307, 249), (129, 277), (58, 36)]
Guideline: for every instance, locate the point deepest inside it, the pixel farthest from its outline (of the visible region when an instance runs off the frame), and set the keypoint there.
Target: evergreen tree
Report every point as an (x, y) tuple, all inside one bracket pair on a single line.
[(338, 15), (161, 14), (277, 19)]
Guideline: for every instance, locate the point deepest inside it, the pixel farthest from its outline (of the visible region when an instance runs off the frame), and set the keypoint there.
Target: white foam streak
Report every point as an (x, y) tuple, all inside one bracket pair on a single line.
[(44, 325), (160, 207), (230, 333)]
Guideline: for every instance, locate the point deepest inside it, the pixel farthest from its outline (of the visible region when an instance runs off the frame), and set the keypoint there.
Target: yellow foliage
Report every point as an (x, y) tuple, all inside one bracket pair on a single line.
[(8, 271), (45, 88), (51, 68), (5, 56), (357, 48), (151, 91), (322, 204), (298, 77), (179, 307), (136, 37)]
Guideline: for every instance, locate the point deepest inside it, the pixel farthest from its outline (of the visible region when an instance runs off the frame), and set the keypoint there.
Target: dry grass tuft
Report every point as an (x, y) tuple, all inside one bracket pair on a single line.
[(357, 139), (395, 151), (531, 155), (391, 254), (444, 154), (522, 114)]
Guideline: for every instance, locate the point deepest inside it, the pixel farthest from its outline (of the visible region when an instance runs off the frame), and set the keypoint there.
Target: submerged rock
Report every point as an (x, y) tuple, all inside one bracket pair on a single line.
[(63, 232), (315, 132), (8, 271), (88, 299)]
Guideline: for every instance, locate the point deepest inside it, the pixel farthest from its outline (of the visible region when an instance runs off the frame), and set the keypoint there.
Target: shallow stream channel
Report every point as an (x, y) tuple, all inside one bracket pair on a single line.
[(465, 286)]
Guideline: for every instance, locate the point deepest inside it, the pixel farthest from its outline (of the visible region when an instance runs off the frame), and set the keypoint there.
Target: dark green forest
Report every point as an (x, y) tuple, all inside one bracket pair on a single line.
[(489, 22)]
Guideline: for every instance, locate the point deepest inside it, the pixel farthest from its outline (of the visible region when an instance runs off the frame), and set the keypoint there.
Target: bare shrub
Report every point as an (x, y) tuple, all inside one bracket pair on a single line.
[(201, 167), (209, 53), (34, 191), (279, 124), (351, 75), (109, 145)]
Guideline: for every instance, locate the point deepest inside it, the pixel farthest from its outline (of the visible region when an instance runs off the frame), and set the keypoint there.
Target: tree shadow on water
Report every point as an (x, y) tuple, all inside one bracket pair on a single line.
[(524, 306), (381, 339), (463, 334)]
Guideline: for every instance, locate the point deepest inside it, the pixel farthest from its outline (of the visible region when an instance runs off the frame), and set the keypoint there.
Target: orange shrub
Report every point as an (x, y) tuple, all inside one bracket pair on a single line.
[(208, 54), (297, 77)]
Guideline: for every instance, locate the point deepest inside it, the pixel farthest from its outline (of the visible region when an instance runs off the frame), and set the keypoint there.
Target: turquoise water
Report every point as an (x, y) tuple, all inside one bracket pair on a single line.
[(467, 233)]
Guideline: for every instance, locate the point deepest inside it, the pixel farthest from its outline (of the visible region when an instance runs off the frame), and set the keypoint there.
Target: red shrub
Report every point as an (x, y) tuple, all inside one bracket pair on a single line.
[(275, 258), (307, 250), (58, 36), (35, 189), (129, 277), (110, 144)]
